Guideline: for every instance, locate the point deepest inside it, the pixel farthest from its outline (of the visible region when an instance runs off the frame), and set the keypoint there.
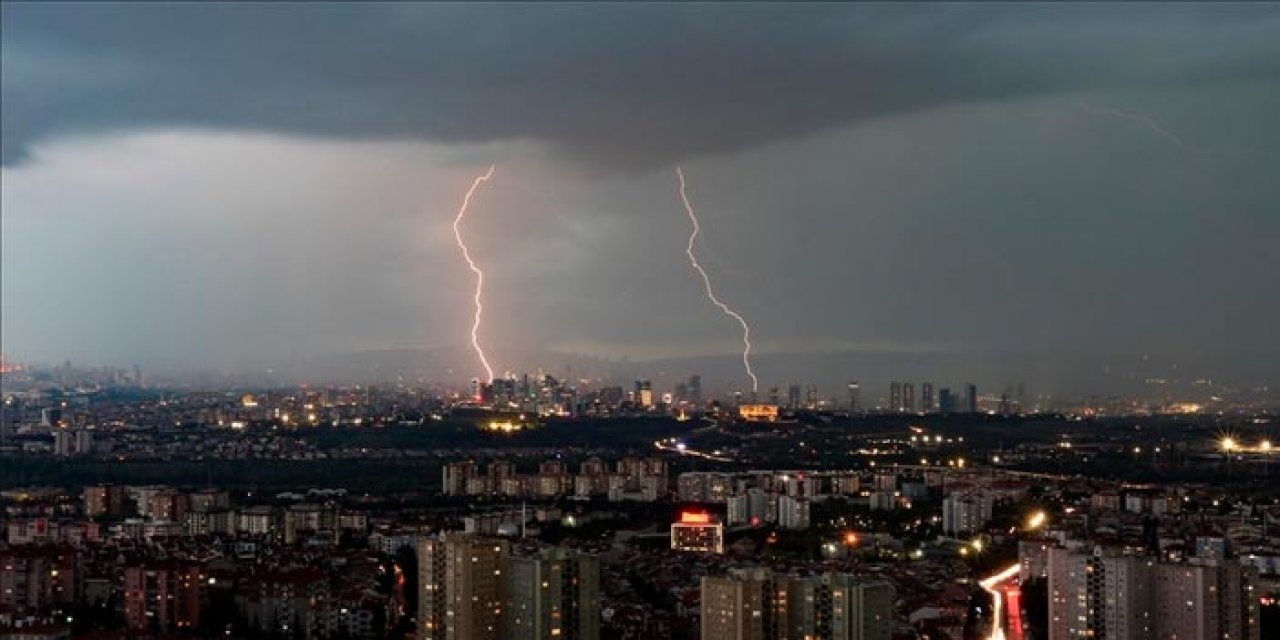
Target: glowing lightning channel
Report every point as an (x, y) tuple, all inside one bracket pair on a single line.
[(706, 281), (1138, 118), (457, 233)]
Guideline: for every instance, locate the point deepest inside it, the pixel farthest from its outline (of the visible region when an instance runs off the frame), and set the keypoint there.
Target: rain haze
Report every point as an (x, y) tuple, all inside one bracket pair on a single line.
[(1000, 193)]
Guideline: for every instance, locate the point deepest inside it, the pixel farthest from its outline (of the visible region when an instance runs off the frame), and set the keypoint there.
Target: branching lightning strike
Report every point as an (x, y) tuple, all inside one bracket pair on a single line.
[(457, 233), (706, 281)]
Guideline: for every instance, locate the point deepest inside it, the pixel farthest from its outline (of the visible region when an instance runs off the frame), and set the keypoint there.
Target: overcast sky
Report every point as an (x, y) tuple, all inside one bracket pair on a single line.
[(209, 185)]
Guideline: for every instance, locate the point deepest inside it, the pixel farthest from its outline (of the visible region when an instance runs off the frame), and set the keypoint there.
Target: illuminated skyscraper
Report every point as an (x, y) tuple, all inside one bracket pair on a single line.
[(855, 400), (908, 397), (926, 397), (895, 397)]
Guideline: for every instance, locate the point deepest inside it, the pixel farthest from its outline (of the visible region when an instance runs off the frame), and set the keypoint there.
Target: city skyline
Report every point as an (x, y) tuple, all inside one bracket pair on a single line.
[(992, 194)]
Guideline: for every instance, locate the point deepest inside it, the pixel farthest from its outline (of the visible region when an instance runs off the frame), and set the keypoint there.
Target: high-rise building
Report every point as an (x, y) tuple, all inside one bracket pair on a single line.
[(695, 390), (553, 595), (793, 513), (35, 578), (643, 393), (1105, 594), (946, 401), (965, 513), (162, 597), (895, 397), (793, 397), (751, 604), (104, 500), (739, 606), (971, 397), (63, 443), (908, 397), (855, 401), (861, 609), (926, 397), (459, 584), (1205, 601), (455, 478)]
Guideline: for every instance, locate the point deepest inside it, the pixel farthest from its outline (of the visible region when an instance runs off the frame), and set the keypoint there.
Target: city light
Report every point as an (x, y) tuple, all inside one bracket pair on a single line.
[(504, 426), (1227, 444), (695, 517), (1037, 520)]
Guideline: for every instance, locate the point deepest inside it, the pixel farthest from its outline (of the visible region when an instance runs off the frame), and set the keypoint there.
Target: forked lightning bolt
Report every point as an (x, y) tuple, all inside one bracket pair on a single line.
[(457, 233), (706, 281)]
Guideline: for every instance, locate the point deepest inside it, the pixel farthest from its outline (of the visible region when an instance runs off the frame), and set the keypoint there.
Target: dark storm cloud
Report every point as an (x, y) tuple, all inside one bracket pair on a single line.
[(616, 85)]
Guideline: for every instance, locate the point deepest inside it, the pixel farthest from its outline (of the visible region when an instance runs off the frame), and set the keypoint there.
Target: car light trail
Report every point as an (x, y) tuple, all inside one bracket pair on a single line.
[(457, 233), (997, 599), (706, 281)]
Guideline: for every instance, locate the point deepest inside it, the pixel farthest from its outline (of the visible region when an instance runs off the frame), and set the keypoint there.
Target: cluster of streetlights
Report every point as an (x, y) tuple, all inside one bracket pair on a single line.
[(1229, 444)]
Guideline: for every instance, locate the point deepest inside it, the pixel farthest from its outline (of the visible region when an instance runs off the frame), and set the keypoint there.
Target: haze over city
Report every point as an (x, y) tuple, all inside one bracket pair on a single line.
[(217, 188)]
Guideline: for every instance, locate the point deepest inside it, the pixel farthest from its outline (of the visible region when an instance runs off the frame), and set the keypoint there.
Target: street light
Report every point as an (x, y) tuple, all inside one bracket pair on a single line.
[(1036, 520)]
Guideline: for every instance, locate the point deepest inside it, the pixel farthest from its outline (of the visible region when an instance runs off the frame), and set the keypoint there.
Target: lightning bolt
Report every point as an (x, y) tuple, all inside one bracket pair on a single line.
[(706, 281), (457, 234), (1138, 118)]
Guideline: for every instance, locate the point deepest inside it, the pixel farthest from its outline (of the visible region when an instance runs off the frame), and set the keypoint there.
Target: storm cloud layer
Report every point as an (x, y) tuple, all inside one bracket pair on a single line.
[(612, 85), (247, 185)]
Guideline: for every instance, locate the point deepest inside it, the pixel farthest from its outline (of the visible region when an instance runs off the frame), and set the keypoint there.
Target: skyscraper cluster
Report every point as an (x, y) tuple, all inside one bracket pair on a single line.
[(750, 604), (1105, 593)]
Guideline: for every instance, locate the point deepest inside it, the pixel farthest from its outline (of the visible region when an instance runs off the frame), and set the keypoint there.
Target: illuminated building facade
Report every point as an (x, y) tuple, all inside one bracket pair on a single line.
[(459, 583), (697, 532), (758, 412), (759, 604), (162, 597), (555, 594), (1105, 594)]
